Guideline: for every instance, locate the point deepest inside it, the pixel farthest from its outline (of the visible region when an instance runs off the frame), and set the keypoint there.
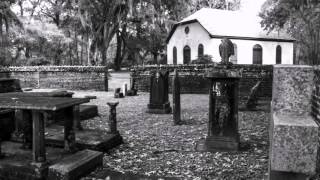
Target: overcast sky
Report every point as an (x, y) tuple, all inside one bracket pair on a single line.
[(251, 6)]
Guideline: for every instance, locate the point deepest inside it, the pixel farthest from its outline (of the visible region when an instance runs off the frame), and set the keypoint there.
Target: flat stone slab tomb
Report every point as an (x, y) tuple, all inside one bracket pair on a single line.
[(85, 139), (17, 163)]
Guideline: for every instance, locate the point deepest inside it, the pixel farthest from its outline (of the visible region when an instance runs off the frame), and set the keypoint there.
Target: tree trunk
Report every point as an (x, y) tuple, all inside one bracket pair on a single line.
[(76, 61), (118, 58), (57, 58), (2, 57), (28, 54), (103, 55), (21, 7), (90, 52), (81, 50), (155, 58), (70, 50)]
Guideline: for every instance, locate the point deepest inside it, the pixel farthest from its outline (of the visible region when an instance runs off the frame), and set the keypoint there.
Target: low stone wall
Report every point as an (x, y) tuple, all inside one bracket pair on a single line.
[(316, 95), (68, 77), (192, 80)]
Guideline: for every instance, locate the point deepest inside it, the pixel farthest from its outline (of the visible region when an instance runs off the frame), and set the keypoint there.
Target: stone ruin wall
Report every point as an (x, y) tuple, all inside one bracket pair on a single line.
[(192, 80), (68, 77)]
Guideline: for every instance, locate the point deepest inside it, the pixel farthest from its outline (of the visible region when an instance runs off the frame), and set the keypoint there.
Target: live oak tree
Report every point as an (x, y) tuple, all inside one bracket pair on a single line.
[(7, 19), (145, 28), (69, 32), (301, 19), (103, 18), (216, 4)]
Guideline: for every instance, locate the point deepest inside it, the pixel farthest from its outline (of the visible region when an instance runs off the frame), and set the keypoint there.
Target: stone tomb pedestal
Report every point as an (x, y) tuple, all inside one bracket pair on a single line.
[(293, 132), (223, 133), (159, 93)]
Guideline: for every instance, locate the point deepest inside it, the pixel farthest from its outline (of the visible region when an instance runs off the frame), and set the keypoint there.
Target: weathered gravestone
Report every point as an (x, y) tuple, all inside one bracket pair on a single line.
[(117, 93), (223, 133), (133, 90), (113, 117), (176, 98), (159, 93)]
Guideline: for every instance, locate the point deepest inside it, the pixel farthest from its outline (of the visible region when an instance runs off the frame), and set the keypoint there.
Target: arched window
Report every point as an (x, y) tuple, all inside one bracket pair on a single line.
[(174, 55), (257, 54), (234, 58), (200, 50), (278, 54), (186, 55)]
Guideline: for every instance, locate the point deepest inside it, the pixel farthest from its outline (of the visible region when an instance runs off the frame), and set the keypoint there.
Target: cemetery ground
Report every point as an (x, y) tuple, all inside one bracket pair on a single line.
[(154, 147)]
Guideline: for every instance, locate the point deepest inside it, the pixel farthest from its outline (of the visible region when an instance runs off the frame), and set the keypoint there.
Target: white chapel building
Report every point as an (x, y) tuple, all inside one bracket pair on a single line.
[(201, 34)]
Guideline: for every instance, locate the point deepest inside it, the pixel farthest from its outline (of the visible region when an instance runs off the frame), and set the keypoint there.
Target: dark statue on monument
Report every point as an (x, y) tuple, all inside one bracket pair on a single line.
[(223, 132), (159, 93), (226, 49)]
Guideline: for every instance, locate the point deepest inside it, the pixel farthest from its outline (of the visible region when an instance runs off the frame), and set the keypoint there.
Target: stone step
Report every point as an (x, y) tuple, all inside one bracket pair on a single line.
[(88, 111), (75, 165), (85, 139)]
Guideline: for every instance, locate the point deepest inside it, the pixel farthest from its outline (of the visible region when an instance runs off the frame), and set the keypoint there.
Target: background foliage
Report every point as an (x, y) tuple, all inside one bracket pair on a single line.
[(301, 19), (92, 32)]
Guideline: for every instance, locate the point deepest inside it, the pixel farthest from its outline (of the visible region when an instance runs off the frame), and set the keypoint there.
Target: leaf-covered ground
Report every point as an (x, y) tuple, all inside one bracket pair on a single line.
[(153, 146)]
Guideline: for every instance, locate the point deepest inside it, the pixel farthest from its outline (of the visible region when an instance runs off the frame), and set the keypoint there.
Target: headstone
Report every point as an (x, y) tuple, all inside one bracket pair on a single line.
[(223, 132), (124, 89), (113, 117), (253, 97), (159, 93), (133, 90), (176, 98), (117, 93)]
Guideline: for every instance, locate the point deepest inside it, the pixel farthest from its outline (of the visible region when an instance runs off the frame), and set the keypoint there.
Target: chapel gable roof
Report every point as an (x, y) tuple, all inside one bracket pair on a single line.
[(233, 25)]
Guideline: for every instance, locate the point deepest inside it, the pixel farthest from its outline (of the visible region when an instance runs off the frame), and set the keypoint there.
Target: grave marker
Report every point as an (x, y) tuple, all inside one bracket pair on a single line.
[(113, 117), (117, 93), (176, 98), (223, 132), (159, 93), (132, 91)]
